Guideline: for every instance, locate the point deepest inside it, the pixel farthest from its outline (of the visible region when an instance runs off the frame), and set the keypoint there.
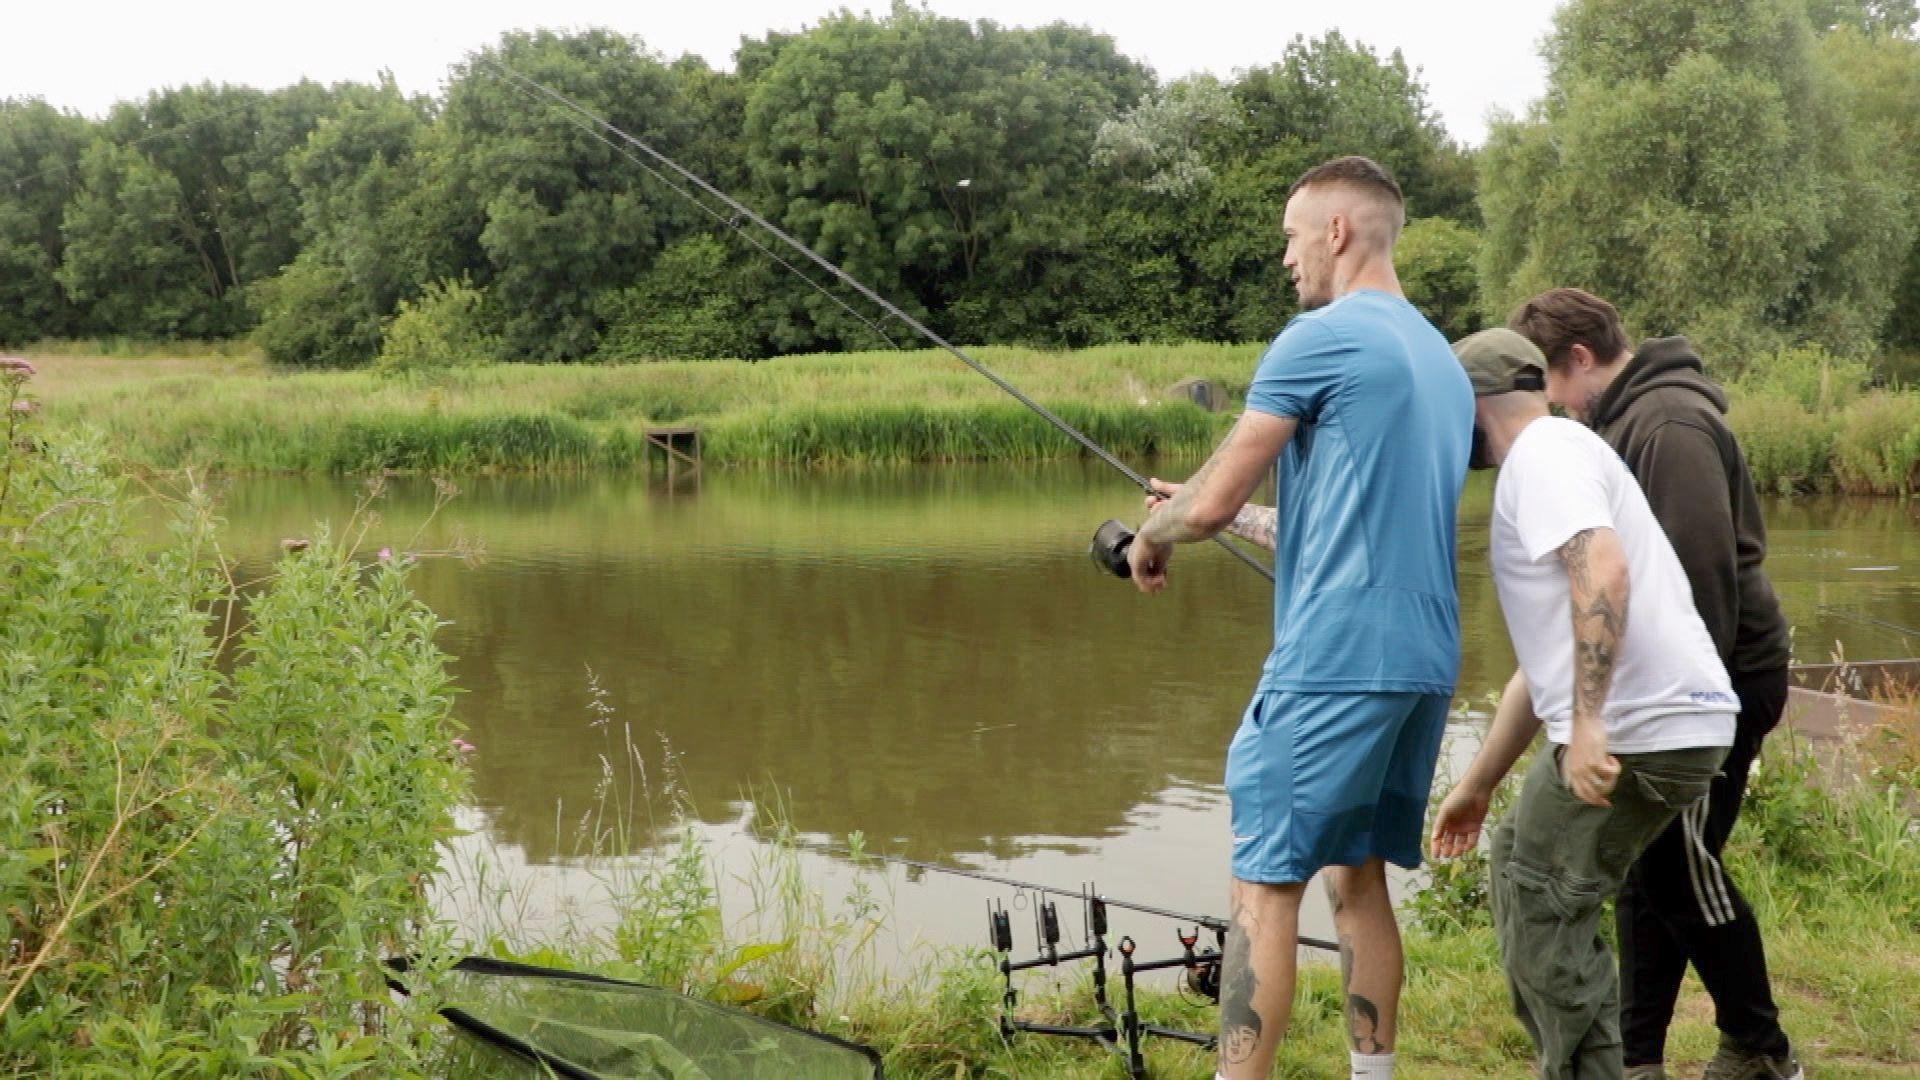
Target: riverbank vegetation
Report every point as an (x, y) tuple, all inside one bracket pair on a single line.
[(1809, 421), (210, 834), (1833, 871), (292, 806)]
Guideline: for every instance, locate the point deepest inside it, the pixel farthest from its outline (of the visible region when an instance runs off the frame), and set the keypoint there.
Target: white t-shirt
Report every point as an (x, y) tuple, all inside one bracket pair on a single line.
[(1669, 689)]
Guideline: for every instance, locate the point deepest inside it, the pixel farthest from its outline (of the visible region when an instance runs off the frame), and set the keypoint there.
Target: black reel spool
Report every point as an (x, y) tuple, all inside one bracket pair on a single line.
[(1109, 549)]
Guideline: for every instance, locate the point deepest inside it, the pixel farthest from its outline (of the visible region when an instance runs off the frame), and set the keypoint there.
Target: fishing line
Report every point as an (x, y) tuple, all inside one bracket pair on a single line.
[(1869, 620), (741, 210), (733, 223), (17, 181), (1208, 921)]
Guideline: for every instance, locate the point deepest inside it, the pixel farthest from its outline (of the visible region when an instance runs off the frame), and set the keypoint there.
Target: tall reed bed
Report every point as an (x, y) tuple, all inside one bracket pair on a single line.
[(1807, 421), (1805, 418), (830, 409)]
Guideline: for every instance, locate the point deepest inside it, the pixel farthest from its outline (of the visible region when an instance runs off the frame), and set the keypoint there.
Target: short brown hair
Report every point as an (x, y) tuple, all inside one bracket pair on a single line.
[(1355, 171), (1559, 319)]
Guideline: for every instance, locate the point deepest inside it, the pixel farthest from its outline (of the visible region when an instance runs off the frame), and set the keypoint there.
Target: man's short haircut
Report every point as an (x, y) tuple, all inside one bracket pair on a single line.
[(1559, 319), (1360, 174)]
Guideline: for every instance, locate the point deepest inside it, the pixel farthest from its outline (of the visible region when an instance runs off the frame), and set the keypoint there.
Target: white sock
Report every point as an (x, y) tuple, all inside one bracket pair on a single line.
[(1372, 1066)]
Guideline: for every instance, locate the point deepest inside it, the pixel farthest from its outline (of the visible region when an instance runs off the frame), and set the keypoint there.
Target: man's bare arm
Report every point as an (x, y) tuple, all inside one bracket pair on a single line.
[(1597, 578), (1254, 523), (1214, 497), (1597, 574)]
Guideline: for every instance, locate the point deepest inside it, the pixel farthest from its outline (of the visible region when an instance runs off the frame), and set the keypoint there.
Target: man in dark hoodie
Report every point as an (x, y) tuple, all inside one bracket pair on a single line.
[(1659, 411)]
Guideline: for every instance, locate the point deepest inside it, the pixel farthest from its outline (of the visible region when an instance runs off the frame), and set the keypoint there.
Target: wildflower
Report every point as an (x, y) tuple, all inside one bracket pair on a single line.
[(25, 407), (295, 543), (385, 554), (16, 367), (462, 746)]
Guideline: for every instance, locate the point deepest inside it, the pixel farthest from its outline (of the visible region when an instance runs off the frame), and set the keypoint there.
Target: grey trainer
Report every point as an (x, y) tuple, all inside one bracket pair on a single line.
[(1734, 1063), (1646, 1072)]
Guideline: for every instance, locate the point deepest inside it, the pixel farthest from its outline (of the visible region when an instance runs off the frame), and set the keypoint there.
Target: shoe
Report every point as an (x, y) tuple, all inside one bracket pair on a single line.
[(1734, 1063), (1646, 1072)]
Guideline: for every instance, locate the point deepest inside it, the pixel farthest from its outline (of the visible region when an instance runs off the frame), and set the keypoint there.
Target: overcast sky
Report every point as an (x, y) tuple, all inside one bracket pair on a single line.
[(88, 54)]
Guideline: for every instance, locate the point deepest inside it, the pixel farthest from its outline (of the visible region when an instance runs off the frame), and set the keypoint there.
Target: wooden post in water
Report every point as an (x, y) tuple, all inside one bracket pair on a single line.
[(679, 446)]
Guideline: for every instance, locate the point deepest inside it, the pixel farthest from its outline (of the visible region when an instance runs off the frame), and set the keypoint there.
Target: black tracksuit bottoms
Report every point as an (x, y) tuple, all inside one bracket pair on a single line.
[(1678, 906)]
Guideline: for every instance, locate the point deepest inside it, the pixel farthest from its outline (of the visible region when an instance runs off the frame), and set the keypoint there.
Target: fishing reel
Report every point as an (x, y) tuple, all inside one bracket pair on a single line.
[(1111, 542)]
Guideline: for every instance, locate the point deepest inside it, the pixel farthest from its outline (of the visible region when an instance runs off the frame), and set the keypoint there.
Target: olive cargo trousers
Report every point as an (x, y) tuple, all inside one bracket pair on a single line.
[(1555, 862)]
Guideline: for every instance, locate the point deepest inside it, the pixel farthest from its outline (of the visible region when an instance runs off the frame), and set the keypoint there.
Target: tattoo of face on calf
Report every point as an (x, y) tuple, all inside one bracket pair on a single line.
[(1239, 1023), (1363, 1025)]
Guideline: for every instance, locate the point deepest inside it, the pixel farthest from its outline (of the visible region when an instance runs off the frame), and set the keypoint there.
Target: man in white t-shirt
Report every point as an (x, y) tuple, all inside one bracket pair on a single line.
[(1638, 708)]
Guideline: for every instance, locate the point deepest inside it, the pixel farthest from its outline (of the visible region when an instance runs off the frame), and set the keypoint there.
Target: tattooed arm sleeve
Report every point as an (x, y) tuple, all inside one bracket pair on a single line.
[(1256, 524), (1597, 575)]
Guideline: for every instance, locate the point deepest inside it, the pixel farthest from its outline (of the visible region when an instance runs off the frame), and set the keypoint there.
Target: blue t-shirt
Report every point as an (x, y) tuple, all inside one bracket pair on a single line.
[(1364, 595)]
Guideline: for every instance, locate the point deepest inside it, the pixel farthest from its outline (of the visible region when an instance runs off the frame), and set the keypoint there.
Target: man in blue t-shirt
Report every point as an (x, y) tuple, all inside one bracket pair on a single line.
[(1370, 419)]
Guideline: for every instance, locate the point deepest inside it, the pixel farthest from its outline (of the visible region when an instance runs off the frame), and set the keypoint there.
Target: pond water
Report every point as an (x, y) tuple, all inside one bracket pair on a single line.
[(925, 657)]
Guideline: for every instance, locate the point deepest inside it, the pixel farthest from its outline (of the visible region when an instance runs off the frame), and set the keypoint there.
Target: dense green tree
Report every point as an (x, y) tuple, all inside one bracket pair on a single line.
[(1437, 260), (940, 161), (40, 151), (234, 214), (563, 210), (129, 259), (1877, 17), (1694, 163), (1882, 76), (1328, 97), (377, 226)]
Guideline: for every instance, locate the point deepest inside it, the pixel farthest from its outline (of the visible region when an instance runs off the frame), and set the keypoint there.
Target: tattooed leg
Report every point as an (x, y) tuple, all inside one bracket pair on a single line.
[(1256, 981), (1370, 959)]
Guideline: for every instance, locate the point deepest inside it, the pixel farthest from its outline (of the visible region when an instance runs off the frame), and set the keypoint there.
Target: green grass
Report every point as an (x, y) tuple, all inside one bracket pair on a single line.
[(1833, 873), (808, 410), (1804, 423)]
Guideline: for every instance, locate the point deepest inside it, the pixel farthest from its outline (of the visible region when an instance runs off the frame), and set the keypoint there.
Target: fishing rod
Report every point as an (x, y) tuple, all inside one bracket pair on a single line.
[(596, 124)]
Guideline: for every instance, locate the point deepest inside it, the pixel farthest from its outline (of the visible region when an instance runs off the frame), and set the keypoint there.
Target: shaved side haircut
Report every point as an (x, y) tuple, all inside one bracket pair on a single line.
[(1364, 177)]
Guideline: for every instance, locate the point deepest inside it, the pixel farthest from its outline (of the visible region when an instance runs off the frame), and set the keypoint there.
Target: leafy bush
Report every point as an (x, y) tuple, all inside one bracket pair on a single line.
[(690, 305), (1877, 450), (1810, 375), (309, 317), (442, 329), (202, 870), (1788, 447), (1437, 260)]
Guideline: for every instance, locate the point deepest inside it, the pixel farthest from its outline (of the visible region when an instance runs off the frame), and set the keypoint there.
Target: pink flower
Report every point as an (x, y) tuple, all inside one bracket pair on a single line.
[(385, 554), (25, 407), (16, 367), (462, 747)]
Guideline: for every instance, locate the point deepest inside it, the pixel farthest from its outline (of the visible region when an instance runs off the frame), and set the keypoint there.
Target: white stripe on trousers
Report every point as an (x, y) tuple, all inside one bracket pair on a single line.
[(1709, 879)]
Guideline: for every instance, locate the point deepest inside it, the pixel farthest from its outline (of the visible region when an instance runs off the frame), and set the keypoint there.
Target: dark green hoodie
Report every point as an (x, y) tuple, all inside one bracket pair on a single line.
[(1665, 418)]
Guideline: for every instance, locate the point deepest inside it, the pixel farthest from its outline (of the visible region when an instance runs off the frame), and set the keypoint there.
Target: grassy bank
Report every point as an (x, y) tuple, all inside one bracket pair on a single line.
[(848, 408), (1833, 875), (1803, 417)]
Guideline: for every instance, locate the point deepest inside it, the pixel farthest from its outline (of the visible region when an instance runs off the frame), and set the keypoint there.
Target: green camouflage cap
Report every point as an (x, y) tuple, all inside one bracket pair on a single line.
[(1499, 361)]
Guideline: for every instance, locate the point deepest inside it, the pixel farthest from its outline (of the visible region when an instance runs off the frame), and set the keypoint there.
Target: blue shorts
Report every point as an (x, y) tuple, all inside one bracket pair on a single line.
[(1331, 780)]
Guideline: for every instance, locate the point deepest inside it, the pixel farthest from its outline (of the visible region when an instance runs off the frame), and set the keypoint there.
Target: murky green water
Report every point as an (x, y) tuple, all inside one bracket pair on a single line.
[(926, 657)]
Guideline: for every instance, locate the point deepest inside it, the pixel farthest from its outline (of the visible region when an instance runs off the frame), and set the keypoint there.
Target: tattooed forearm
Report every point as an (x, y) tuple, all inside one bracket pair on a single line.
[(1599, 596), (1239, 1023), (1257, 524), (1170, 524)]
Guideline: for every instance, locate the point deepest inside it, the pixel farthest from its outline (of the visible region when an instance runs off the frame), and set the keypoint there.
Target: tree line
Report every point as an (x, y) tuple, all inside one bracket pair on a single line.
[(1748, 172)]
